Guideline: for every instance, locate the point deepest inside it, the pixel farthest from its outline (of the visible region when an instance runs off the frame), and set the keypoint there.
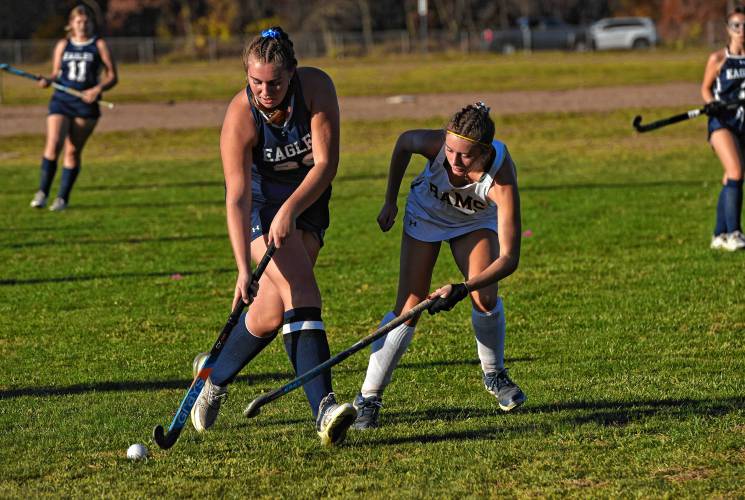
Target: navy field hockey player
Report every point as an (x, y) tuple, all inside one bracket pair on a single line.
[(82, 62), (280, 151), (467, 196), (724, 81)]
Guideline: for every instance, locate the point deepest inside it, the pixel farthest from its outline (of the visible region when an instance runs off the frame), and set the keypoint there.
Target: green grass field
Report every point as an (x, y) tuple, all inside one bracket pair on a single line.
[(624, 329), (398, 75)]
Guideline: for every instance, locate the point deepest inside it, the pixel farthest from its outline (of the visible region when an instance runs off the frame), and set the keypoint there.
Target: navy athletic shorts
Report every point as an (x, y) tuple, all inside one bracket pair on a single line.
[(267, 197), (734, 126), (73, 108)]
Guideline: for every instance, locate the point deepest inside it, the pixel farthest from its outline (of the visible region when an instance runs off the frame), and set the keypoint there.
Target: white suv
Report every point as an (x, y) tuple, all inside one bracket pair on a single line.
[(623, 33)]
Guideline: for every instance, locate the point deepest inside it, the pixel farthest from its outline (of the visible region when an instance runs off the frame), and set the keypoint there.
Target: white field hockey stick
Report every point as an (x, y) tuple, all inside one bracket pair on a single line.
[(58, 86)]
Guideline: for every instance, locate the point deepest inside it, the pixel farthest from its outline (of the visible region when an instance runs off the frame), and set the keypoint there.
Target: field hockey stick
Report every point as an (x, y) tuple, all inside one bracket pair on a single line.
[(254, 407), (637, 123), (167, 439), (56, 85)]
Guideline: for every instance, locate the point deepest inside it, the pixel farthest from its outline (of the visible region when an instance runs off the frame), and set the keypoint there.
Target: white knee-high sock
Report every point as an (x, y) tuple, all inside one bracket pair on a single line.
[(490, 331), (384, 357)]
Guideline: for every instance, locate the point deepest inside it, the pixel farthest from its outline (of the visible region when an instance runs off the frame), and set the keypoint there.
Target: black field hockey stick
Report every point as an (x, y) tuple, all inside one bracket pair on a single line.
[(167, 439), (56, 85), (254, 407), (637, 123)]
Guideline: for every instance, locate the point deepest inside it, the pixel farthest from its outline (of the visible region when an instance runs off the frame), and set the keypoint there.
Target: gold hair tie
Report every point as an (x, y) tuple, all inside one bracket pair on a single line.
[(456, 134)]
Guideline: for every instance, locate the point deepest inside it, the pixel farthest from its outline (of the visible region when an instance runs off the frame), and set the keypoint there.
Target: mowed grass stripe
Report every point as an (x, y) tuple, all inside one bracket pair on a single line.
[(409, 74)]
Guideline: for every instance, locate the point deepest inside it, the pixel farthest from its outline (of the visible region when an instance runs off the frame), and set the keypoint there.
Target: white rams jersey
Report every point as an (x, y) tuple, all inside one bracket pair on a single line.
[(438, 211)]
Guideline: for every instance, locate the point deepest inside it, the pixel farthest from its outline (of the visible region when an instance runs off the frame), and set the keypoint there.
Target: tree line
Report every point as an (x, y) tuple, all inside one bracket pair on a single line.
[(678, 20)]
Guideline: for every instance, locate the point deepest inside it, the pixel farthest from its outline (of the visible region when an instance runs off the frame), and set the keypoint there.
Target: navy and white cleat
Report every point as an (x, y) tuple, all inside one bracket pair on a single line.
[(333, 420), (507, 392), (58, 205), (368, 412), (40, 200)]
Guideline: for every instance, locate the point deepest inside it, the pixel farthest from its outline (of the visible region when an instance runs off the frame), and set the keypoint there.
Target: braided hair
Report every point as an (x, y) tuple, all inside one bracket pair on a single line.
[(273, 46), (473, 123)]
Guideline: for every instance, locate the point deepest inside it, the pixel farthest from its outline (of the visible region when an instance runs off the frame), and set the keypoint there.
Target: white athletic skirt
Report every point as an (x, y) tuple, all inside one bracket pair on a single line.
[(424, 226)]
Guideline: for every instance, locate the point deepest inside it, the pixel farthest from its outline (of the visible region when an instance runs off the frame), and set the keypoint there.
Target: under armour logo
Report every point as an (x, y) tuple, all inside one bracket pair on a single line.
[(256, 229)]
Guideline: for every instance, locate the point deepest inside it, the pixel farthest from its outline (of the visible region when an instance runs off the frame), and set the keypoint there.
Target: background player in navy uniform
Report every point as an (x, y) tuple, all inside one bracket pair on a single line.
[(724, 81), (467, 195), (77, 62), (280, 151)]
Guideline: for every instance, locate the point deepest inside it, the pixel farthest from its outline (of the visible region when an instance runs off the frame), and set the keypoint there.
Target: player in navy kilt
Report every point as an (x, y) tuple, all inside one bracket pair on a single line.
[(724, 81), (81, 61), (467, 196), (280, 151)]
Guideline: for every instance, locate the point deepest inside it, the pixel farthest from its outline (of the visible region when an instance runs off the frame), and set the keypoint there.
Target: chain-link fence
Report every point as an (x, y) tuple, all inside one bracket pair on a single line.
[(149, 50)]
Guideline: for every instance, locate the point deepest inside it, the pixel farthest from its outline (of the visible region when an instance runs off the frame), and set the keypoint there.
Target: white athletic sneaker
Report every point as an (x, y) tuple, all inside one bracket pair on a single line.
[(40, 200), (58, 205), (334, 420), (718, 242), (205, 410), (735, 241)]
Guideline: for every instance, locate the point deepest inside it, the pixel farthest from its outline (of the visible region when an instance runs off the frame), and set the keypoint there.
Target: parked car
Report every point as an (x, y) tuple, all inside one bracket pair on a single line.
[(537, 33), (623, 33)]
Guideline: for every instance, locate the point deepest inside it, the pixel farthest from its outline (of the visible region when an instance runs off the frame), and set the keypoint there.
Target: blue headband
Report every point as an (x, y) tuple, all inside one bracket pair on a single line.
[(270, 33)]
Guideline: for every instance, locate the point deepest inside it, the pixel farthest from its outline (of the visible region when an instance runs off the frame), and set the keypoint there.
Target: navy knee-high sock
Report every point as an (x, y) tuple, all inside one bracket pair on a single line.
[(733, 204), (307, 346), (68, 180), (48, 169), (241, 347)]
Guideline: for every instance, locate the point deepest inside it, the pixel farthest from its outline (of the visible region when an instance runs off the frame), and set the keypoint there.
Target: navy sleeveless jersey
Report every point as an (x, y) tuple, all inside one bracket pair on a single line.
[(81, 64), (284, 153), (730, 86)]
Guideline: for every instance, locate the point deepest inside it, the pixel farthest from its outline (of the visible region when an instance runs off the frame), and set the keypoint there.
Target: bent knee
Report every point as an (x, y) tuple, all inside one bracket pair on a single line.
[(263, 325), (484, 300)]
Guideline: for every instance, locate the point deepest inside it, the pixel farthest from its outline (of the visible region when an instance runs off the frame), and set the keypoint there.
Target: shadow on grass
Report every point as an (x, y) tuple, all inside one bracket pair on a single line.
[(605, 413), (91, 277), (610, 413), (148, 204), (149, 385), (131, 187), (116, 241), (608, 185)]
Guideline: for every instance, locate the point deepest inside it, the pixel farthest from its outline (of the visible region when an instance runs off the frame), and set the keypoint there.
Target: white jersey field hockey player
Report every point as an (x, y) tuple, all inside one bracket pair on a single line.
[(438, 211), (466, 196)]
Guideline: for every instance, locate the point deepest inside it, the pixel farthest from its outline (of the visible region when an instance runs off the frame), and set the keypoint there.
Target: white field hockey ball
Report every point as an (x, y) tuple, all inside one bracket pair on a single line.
[(137, 452)]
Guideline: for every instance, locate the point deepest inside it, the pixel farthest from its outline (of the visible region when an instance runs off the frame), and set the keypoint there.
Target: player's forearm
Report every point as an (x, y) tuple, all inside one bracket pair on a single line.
[(313, 186), (109, 81), (399, 161), (498, 270), (239, 230)]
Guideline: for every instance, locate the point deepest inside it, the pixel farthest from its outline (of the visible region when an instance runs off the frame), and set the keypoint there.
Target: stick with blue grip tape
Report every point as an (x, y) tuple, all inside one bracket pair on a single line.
[(56, 85), (167, 439)]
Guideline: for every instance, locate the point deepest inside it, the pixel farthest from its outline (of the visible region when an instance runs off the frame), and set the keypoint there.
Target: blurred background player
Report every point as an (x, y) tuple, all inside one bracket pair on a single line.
[(280, 151), (724, 81), (77, 62), (467, 195)]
